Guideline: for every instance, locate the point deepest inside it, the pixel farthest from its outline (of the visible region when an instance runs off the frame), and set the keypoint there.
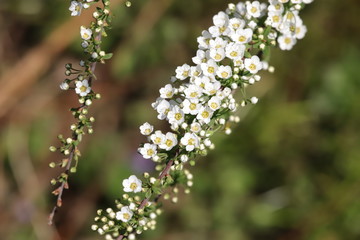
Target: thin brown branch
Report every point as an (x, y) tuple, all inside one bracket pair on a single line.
[(64, 184)]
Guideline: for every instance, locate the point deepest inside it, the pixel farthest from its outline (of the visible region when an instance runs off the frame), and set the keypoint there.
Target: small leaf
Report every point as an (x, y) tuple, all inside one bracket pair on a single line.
[(107, 56), (148, 194)]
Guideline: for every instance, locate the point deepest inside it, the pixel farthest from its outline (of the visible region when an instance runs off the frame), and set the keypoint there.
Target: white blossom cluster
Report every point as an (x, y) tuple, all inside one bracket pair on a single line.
[(91, 46), (200, 98)]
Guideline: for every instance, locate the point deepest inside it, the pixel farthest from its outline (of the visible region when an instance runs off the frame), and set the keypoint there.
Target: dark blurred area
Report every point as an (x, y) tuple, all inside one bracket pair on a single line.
[(289, 171)]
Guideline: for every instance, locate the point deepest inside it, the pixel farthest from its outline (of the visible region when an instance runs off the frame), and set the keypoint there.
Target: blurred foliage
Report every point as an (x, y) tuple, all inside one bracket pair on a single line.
[(290, 170)]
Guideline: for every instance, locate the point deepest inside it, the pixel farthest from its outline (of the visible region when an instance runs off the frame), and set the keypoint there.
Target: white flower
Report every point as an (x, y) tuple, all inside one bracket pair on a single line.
[(201, 57), (234, 50), (85, 33), (195, 72), (202, 81), (205, 114), (253, 9), (224, 72), (241, 8), (191, 106), (217, 54), (148, 151), (218, 43), (286, 42), (193, 91), (217, 31), (221, 19), (125, 214), (214, 103), (176, 116), (211, 88), (163, 108), (190, 141), (167, 91), (195, 127), (254, 100), (82, 88), (64, 86), (274, 19), (209, 68), (132, 184), (182, 72), (146, 129), (253, 64), (75, 8), (158, 137), (204, 40), (236, 23), (275, 6), (84, 44), (170, 142), (300, 31), (242, 35), (184, 158)]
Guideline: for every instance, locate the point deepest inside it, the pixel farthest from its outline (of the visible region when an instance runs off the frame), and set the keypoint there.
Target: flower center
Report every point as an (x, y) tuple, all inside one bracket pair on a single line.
[(169, 143), (178, 116), (83, 88), (205, 114), (85, 35), (252, 67), (133, 186), (276, 19), (192, 106), (126, 216), (193, 94), (149, 152), (242, 38), (234, 54), (224, 74), (214, 105)]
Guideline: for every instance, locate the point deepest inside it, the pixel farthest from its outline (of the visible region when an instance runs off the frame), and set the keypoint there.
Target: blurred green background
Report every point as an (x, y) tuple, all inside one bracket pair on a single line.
[(290, 170)]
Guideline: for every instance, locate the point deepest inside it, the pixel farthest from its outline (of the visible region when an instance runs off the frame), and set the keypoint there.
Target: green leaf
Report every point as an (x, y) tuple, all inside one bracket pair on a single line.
[(107, 56), (148, 194)]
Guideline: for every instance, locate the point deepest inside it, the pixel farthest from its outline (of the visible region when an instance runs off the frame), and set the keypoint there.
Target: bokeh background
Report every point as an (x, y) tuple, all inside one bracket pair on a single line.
[(290, 170)]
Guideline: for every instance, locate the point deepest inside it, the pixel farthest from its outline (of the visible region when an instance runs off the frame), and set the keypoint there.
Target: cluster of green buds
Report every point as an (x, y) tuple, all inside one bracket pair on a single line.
[(80, 80), (200, 100)]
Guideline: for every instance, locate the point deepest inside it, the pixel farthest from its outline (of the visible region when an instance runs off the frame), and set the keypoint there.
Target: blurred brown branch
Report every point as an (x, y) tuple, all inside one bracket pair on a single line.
[(37, 61)]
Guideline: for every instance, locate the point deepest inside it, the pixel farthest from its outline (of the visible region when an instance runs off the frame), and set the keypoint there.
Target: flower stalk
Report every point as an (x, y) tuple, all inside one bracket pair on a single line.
[(199, 101)]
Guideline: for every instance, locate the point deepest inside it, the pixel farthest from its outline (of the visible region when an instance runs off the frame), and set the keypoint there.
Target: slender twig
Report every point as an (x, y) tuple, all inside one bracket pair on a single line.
[(64, 185)]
